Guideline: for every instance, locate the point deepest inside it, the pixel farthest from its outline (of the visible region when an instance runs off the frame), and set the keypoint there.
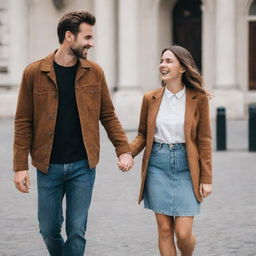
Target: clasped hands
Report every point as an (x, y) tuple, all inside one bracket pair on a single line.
[(125, 162)]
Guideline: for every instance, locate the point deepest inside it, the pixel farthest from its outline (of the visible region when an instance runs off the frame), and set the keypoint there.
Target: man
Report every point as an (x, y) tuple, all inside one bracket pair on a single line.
[(61, 100)]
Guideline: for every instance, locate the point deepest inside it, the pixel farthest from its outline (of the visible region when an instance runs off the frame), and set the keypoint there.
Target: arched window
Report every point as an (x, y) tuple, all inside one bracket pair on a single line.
[(252, 11), (252, 48), (187, 27)]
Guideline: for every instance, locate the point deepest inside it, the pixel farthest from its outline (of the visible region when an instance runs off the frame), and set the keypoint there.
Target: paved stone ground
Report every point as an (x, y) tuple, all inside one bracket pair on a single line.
[(119, 227)]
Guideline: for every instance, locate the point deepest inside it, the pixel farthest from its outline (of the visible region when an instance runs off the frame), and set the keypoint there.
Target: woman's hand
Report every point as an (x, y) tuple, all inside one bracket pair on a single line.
[(205, 189), (125, 162)]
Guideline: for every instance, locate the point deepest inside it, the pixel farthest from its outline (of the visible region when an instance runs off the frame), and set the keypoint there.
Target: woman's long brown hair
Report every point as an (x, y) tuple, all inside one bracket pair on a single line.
[(191, 77)]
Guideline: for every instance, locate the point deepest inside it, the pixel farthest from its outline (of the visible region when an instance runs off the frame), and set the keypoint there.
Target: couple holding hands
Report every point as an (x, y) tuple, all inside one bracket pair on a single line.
[(63, 97)]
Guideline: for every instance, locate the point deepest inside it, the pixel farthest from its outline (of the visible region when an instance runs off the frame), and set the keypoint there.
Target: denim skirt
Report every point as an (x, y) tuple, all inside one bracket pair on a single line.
[(168, 188)]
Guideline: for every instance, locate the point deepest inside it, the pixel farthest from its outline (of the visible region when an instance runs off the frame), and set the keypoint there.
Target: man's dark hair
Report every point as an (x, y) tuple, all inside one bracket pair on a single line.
[(71, 21)]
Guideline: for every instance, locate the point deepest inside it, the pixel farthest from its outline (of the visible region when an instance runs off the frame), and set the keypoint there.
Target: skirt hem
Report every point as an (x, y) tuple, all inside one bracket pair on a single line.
[(168, 213)]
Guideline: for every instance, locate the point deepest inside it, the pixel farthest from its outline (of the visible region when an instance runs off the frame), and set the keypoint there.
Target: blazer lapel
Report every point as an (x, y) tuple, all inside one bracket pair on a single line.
[(191, 102), (153, 110)]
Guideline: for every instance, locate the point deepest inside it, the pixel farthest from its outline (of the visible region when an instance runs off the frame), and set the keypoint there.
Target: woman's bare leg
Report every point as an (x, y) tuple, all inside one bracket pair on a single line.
[(165, 225), (185, 239)]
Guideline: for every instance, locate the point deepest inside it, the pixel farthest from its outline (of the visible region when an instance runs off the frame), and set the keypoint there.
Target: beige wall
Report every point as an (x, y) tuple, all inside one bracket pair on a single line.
[(43, 20), (154, 33), (148, 44)]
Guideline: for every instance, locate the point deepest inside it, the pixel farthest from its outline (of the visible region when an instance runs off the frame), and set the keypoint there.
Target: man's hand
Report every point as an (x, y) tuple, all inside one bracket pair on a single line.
[(21, 181), (205, 189), (125, 162)]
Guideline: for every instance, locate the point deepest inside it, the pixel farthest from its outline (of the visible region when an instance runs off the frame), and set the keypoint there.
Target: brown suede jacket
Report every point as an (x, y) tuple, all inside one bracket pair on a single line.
[(37, 112)]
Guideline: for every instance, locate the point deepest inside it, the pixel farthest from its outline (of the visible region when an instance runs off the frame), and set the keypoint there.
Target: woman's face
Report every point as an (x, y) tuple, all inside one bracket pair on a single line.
[(170, 67)]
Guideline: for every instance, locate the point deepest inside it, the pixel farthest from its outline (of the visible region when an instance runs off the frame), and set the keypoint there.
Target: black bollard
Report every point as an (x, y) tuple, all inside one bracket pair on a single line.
[(221, 129), (252, 127)]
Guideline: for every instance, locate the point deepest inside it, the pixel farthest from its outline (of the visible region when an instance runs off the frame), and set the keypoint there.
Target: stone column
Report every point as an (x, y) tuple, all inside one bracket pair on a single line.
[(128, 43), (17, 43), (226, 90), (225, 44), (208, 43), (19, 34), (128, 97), (105, 38)]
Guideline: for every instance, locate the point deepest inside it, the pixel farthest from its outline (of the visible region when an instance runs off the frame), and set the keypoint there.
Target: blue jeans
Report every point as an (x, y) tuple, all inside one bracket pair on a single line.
[(75, 180)]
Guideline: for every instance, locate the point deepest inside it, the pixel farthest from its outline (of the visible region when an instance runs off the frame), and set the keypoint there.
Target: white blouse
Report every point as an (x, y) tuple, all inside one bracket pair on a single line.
[(170, 118)]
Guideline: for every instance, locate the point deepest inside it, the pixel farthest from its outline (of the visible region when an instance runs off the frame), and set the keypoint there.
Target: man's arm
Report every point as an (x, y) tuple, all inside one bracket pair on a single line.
[(23, 128), (110, 122), (113, 127)]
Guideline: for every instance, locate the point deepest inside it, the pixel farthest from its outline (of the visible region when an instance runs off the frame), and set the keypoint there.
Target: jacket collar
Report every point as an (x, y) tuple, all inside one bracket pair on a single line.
[(158, 94), (178, 95), (190, 93), (47, 63)]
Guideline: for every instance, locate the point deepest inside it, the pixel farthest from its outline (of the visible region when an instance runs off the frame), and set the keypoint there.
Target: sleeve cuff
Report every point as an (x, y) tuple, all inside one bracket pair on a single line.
[(123, 149), (206, 180)]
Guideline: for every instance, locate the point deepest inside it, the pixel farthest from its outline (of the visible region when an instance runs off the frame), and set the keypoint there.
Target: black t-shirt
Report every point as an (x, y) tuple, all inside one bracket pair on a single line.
[(68, 143)]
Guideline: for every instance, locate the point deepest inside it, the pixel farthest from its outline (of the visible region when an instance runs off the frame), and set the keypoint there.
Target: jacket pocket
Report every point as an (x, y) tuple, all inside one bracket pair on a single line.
[(91, 88), (92, 95), (40, 87), (38, 93), (40, 100)]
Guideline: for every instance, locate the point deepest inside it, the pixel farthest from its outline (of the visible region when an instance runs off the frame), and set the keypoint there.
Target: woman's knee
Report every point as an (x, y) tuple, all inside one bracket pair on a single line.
[(165, 230), (165, 225), (183, 235), (183, 228)]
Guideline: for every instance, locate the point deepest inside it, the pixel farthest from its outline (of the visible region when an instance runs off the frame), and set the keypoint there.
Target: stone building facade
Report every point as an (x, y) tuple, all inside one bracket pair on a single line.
[(129, 37)]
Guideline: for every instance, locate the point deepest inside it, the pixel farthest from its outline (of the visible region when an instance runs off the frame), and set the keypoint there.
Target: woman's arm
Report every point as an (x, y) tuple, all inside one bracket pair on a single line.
[(204, 141), (139, 142)]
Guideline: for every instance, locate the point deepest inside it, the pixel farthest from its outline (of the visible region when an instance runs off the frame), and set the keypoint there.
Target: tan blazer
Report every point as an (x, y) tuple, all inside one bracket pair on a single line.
[(197, 136)]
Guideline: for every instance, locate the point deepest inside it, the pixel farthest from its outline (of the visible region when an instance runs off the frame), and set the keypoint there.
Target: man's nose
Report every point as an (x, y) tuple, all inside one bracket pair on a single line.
[(91, 43)]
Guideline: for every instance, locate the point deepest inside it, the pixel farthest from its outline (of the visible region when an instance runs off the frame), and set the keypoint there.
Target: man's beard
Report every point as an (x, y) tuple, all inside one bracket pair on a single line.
[(79, 52)]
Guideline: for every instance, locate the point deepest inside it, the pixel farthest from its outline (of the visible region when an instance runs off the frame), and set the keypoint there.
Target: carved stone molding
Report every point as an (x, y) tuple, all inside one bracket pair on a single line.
[(59, 4), (245, 6), (208, 6)]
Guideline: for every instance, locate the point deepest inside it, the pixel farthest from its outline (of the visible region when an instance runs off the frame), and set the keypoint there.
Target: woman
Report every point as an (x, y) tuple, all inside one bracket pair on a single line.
[(176, 170)]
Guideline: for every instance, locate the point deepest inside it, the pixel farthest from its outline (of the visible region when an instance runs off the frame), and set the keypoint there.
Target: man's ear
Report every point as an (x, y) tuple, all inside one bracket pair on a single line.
[(69, 36)]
